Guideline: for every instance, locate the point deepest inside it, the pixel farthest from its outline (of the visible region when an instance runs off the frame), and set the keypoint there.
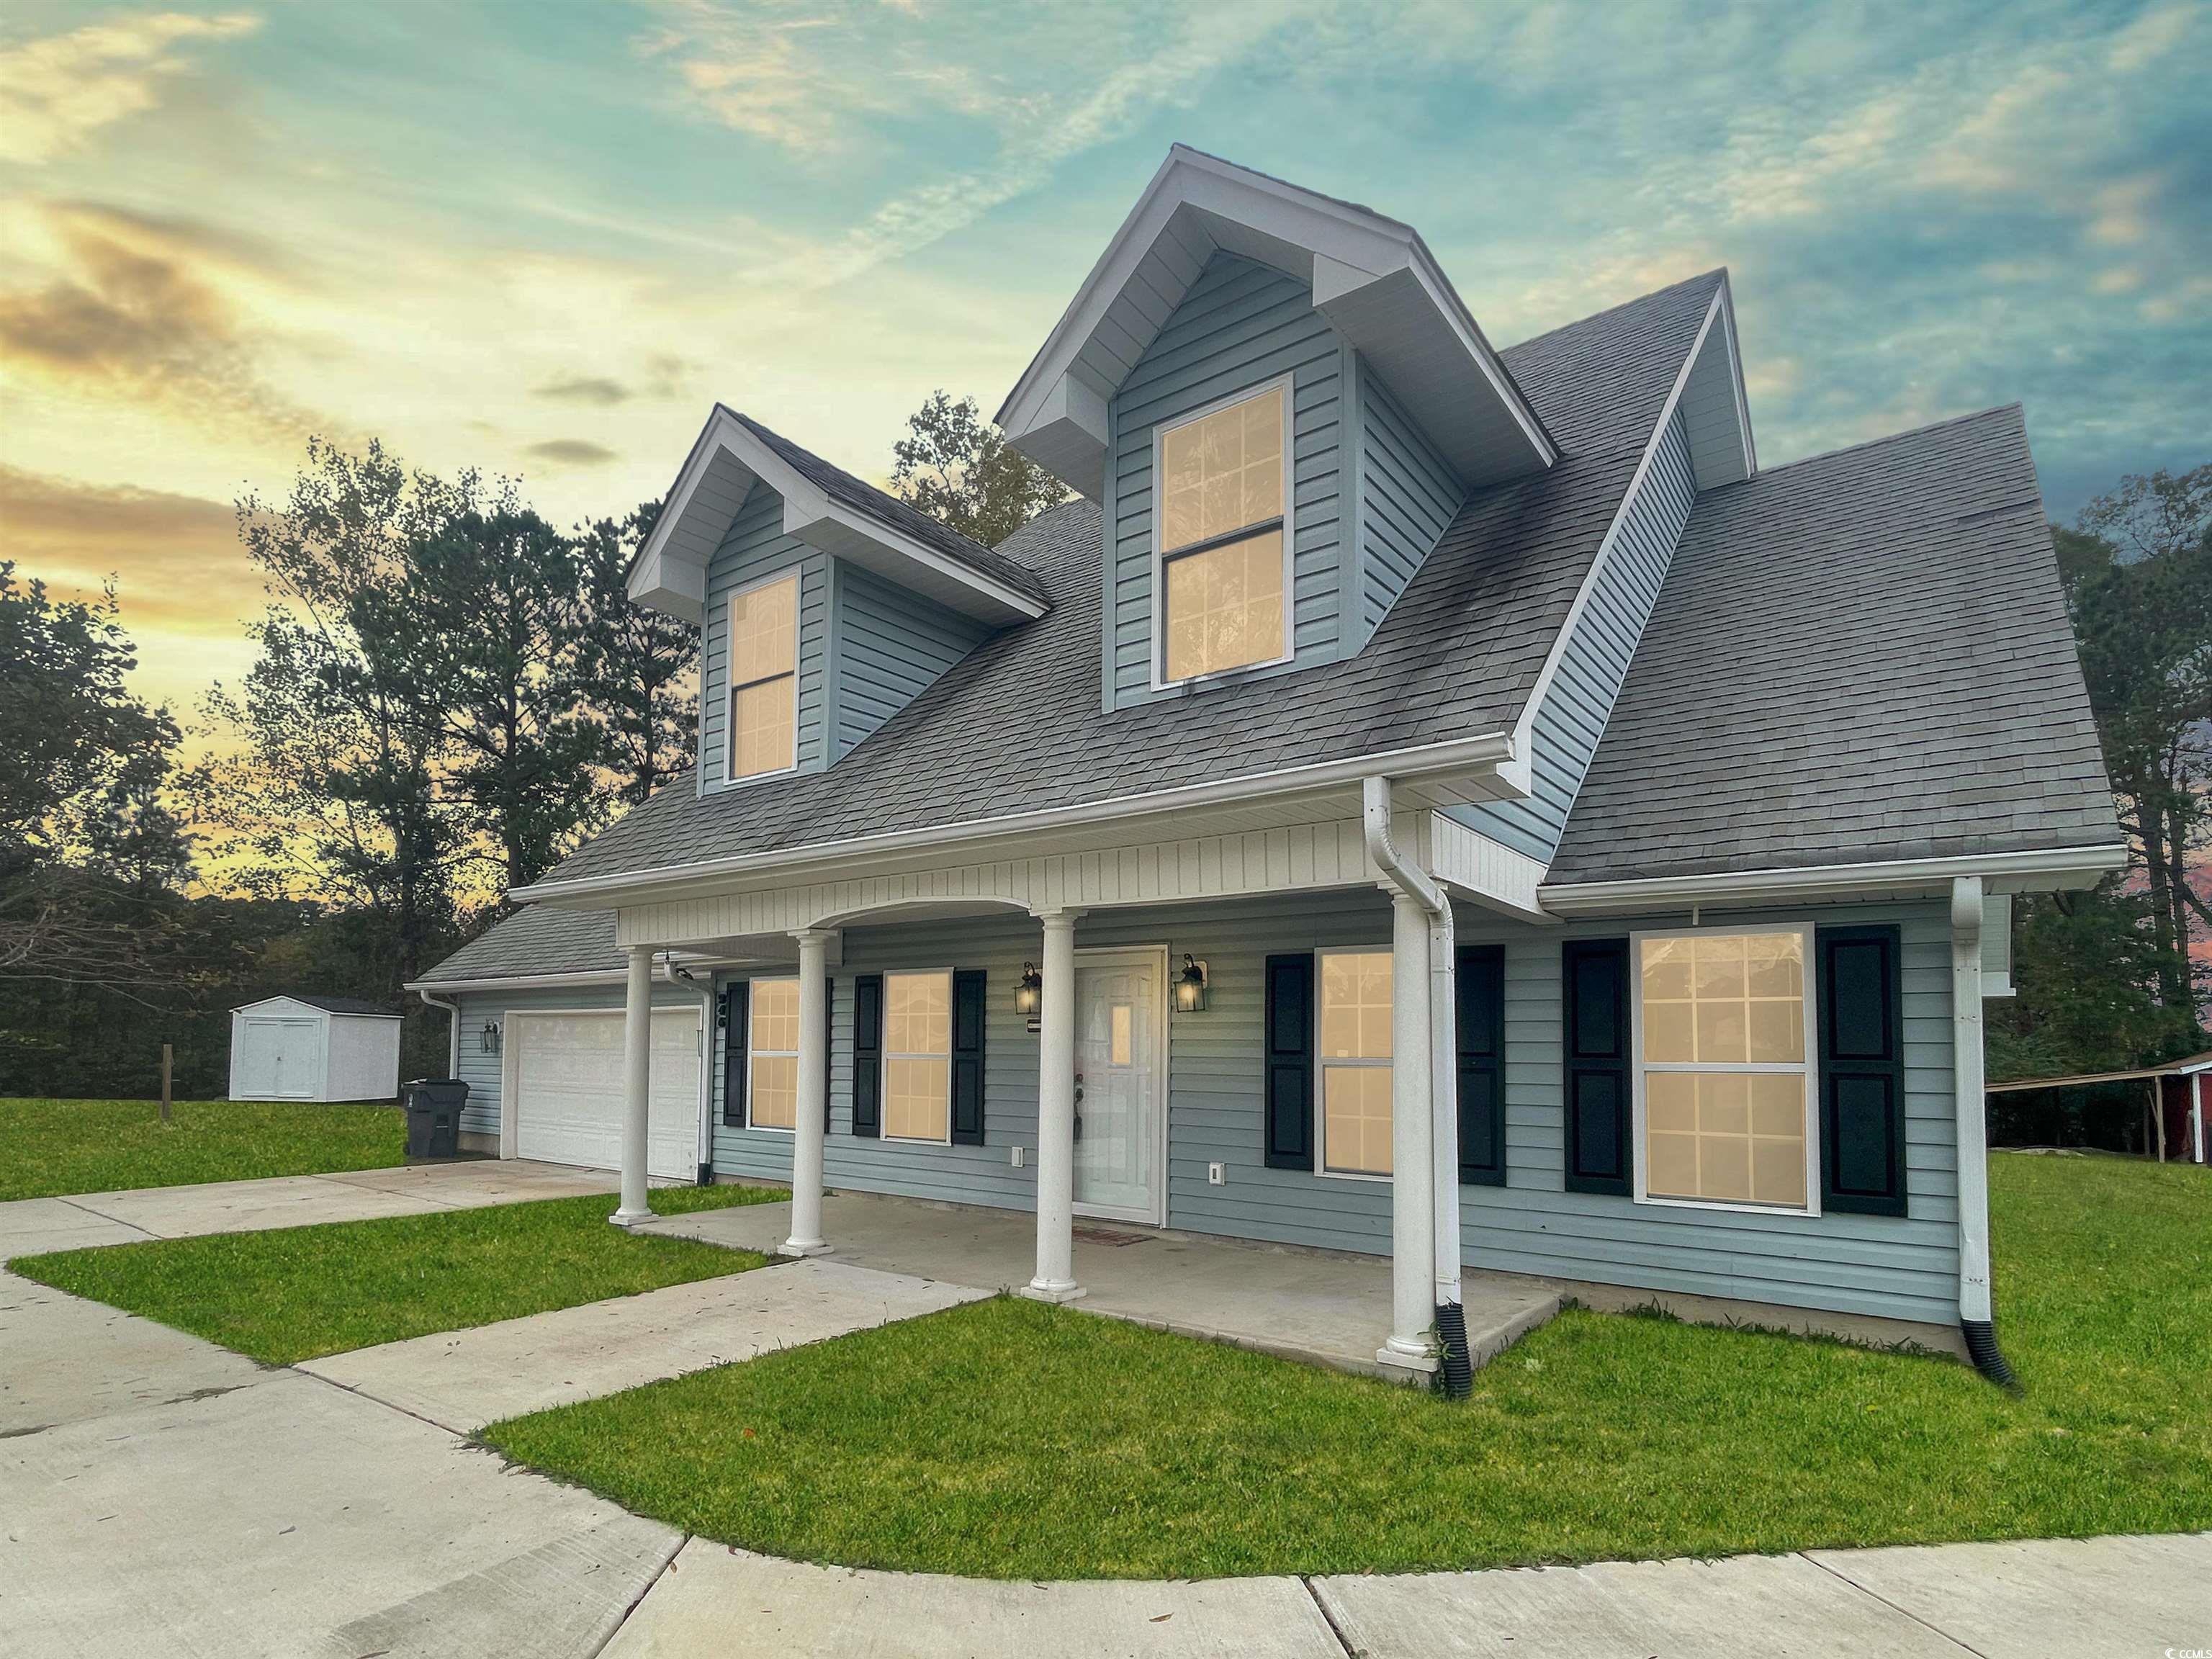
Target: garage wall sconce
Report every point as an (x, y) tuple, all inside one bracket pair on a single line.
[(490, 1038)]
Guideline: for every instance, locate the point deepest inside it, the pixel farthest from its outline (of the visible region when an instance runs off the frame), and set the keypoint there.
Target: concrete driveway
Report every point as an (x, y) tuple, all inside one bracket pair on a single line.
[(33, 1226), (160, 1496)]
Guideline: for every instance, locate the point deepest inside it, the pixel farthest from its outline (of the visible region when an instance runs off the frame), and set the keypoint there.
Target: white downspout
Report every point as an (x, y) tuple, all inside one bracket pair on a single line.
[(1969, 1104), (452, 1030), (1411, 879)]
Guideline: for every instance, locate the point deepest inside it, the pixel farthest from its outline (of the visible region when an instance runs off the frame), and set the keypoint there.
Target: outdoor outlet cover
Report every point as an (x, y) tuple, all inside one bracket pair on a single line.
[(1018, 1158), (1217, 1174)]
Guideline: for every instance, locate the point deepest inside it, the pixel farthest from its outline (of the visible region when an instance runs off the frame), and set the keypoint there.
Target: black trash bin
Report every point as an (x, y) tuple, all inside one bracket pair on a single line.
[(433, 1115)]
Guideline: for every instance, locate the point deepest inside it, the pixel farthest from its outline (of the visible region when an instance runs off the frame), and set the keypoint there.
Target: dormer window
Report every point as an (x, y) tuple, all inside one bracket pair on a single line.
[(1223, 532), (764, 678)]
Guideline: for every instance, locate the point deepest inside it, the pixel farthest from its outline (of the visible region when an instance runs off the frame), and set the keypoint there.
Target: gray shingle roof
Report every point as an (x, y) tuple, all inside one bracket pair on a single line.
[(1016, 725), (863, 497), (1861, 657), (536, 940)]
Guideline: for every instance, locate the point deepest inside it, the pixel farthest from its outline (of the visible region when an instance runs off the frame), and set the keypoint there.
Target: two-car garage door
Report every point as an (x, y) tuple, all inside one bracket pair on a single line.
[(567, 1090)]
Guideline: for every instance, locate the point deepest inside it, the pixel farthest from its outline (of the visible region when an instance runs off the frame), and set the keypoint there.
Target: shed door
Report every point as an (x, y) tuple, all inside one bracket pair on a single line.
[(568, 1089), (277, 1058)]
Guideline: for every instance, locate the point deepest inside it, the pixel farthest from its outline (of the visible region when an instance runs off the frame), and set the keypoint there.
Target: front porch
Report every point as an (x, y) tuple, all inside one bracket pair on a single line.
[(1322, 1307)]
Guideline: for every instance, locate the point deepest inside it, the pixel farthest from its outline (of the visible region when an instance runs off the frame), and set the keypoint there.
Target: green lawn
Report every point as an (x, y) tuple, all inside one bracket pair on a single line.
[(51, 1146), (300, 1292), (1017, 1440)]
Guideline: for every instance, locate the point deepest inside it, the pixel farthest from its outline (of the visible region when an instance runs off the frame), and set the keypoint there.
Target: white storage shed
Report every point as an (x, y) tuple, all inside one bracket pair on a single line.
[(309, 1047)]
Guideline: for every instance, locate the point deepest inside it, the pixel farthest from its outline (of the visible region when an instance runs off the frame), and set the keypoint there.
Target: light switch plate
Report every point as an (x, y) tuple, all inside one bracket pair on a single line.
[(1217, 1174)]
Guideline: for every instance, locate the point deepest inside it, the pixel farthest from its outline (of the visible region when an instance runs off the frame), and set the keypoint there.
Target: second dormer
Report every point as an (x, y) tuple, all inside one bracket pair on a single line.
[(824, 605), (1279, 403)]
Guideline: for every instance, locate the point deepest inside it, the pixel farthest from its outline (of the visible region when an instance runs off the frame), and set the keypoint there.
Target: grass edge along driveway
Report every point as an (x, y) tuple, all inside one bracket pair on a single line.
[(297, 1293), (56, 1148), (1006, 1439)]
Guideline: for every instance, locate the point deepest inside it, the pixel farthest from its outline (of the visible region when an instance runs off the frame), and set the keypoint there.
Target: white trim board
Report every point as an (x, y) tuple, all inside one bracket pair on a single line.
[(2006, 873)]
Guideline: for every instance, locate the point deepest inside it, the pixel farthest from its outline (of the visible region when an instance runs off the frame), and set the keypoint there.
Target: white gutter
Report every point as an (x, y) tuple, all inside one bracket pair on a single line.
[(2002, 872), (1461, 755), (1411, 879), (515, 982), (1967, 1072), (453, 1029)]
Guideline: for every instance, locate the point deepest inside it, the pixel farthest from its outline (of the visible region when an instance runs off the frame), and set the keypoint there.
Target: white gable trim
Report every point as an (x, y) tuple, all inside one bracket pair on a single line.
[(1372, 277), (670, 571), (1721, 312)]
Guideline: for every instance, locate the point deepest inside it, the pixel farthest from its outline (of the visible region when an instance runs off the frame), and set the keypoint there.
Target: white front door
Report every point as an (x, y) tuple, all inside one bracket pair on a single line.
[(568, 1096), (1120, 1085)]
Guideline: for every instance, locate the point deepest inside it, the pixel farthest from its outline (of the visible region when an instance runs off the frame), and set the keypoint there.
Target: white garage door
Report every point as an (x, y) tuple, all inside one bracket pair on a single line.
[(568, 1089)]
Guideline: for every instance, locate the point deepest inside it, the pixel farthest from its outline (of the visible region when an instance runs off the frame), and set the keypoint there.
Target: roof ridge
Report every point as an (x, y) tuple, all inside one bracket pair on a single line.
[(1893, 437), (1719, 271)]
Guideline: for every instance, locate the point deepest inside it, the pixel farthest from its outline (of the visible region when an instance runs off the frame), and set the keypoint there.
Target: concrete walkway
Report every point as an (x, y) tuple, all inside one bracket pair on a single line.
[(160, 1496), (2127, 1598), (462, 1379), (1318, 1306), (33, 1226)]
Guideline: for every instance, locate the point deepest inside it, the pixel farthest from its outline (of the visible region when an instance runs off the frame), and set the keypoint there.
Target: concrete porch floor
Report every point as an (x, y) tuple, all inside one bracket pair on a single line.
[(1318, 1306)]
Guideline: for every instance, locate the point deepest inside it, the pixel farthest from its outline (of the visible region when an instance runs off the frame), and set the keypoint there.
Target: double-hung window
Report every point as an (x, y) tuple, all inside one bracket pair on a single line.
[(764, 678), (1355, 1062), (772, 1088), (1224, 579), (1724, 1025), (918, 1056)]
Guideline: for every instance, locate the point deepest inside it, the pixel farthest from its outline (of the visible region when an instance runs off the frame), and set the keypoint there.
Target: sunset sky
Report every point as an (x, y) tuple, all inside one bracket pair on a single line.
[(542, 239)]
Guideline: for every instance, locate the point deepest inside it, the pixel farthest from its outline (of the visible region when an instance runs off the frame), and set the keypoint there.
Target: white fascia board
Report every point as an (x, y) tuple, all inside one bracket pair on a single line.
[(2002, 873), (1464, 754), (1339, 249), (517, 981), (674, 580), (1736, 373)]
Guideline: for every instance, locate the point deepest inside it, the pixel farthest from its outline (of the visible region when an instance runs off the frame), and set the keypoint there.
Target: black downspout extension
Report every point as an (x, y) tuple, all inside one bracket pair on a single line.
[(1989, 1359), (1458, 1370)]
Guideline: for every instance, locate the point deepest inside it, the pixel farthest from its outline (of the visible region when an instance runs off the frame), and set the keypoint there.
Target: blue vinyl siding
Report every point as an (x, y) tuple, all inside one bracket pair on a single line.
[(1240, 324), (1897, 1267), (1575, 709), (1408, 495), (886, 646), (484, 1074), (756, 547)]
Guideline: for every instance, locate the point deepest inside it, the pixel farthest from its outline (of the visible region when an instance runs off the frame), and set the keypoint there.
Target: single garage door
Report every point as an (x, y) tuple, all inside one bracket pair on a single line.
[(568, 1089)]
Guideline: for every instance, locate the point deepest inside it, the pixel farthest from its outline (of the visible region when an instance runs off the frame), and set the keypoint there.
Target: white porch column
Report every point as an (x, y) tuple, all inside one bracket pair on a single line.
[(1055, 1199), (1969, 1100), (1412, 1191), (637, 1086), (813, 1121)]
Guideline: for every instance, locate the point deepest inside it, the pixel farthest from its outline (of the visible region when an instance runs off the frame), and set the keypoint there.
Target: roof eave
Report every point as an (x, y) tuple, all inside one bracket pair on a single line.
[(2037, 871), (670, 572), (1372, 277)]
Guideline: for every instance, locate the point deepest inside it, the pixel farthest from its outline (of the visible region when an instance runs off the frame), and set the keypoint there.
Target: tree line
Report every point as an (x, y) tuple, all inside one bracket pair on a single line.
[(449, 693)]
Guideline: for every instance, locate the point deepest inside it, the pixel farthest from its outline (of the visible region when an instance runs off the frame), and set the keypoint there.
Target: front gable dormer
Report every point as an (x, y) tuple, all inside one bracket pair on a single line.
[(1280, 404), (824, 605)]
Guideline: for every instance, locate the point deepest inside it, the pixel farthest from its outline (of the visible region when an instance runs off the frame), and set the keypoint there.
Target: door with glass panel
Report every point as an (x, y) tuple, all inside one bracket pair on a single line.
[(1120, 1085)]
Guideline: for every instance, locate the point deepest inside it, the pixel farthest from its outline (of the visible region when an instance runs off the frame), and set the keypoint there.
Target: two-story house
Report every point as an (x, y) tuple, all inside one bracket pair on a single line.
[(1418, 799)]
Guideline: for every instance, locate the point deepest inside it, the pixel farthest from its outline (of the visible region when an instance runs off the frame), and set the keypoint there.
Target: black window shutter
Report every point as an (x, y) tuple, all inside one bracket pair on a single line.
[(968, 989), (735, 999), (1479, 975), (828, 1040), (1593, 976), (868, 1054), (1861, 1019), (1289, 1045)]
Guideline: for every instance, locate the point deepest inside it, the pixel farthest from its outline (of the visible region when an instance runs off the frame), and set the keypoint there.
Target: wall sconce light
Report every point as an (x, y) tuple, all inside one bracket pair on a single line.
[(1190, 987), (489, 1040), (1028, 995)]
